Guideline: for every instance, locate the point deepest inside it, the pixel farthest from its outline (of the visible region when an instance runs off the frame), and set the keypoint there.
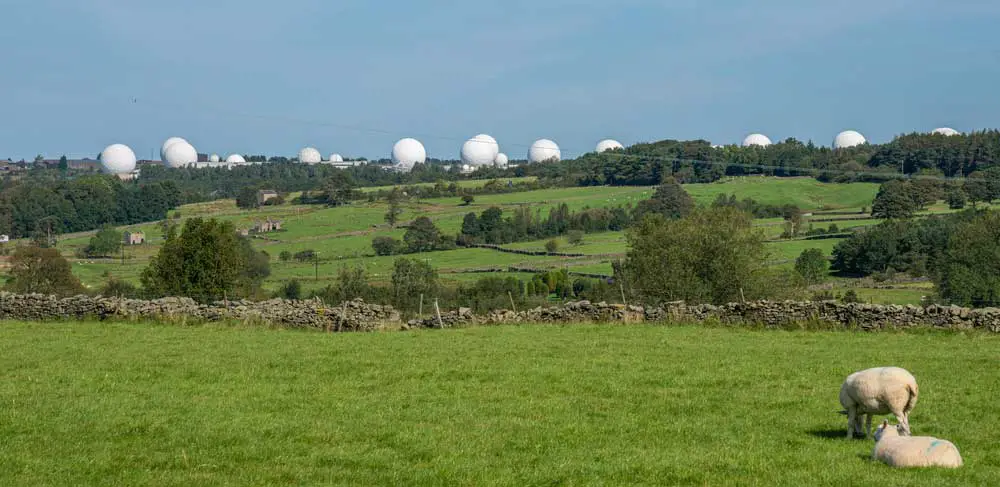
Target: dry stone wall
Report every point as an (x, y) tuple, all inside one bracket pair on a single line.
[(358, 315)]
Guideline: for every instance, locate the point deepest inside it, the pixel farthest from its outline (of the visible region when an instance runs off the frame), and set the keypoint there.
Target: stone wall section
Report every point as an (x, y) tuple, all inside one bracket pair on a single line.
[(358, 315)]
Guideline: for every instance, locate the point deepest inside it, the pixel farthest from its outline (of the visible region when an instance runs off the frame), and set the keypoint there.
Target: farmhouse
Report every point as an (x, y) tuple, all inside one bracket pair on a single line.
[(134, 237)]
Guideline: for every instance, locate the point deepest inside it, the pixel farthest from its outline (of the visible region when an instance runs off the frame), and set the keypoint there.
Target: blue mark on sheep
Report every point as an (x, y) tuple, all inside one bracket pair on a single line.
[(933, 444)]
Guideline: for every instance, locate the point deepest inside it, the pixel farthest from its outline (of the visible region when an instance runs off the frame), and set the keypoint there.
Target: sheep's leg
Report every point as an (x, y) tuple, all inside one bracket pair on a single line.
[(904, 421), (868, 425), (852, 418)]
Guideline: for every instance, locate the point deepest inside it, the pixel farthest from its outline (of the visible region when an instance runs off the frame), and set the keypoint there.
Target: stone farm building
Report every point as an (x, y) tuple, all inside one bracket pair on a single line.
[(134, 237), (266, 226), (264, 195)]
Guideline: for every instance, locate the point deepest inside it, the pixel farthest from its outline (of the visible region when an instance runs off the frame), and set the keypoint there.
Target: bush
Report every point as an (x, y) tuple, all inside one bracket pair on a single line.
[(119, 288), (305, 255), (386, 245), (207, 261), (956, 199), (551, 246), (105, 243), (574, 237), (812, 265), (850, 297), (291, 290), (285, 256), (712, 256), (41, 270)]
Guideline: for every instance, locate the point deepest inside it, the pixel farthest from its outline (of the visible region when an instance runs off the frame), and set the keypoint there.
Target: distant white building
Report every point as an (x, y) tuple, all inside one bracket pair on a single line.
[(4, 239)]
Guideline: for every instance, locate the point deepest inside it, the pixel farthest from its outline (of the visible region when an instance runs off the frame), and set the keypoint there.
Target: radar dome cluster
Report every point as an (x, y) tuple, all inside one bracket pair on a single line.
[(407, 153), (756, 139), (544, 150), (310, 155), (180, 153), (608, 144), (848, 139), (118, 159), (480, 150)]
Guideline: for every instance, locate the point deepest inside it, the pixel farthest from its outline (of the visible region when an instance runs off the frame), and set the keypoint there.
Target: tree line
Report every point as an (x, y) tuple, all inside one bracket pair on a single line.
[(43, 208)]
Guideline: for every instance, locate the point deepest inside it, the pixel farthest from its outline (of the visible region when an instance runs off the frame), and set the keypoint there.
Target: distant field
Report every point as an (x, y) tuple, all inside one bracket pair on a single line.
[(144, 404), (342, 236), (806, 193)]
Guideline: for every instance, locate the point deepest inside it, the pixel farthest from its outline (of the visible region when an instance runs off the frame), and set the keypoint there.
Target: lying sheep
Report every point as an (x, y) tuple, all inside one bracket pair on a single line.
[(913, 451), (879, 390)]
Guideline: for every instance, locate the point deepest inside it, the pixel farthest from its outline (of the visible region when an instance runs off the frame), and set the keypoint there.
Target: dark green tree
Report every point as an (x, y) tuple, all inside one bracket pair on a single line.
[(812, 265), (956, 199), (107, 242), (395, 206), (338, 189), (894, 201), (383, 245), (206, 261), (669, 200), (713, 255), (422, 235), (410, 279), (970, 273), (41, 270), (246, 198)]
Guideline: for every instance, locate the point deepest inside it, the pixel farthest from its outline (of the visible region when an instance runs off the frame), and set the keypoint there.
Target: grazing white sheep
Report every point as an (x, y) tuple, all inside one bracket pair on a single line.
[(913, 451), (879, 390)]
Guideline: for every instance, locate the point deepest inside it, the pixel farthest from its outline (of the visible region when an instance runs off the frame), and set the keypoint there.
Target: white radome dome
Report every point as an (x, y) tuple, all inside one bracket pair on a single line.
[(544, 150), (180, 154), (118, 159), (213, 158), (756, 139), (235, 159), (608, 144), (167, 143), (310, 155), (336, 158), (480, 150), (501, 160), (408, 152), (946, 131), (848, 139)]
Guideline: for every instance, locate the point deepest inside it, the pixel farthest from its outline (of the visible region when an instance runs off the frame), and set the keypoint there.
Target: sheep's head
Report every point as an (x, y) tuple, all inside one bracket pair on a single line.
[(885, 429)]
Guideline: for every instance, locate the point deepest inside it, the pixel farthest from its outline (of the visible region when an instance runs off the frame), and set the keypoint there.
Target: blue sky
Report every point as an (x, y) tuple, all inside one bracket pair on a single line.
[(352, 77)]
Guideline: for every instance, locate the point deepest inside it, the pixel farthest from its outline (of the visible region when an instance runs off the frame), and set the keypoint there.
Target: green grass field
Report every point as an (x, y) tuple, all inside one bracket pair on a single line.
[(343, 235), (140, 404)]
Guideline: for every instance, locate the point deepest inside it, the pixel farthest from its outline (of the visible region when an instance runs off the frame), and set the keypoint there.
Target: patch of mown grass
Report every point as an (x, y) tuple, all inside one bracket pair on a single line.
[(140, 404)]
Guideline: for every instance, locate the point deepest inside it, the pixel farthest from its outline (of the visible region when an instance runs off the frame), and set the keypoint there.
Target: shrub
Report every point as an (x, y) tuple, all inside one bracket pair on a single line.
[(551, 246), (850, 297), (385, 245), (305, 255), (41, 270), (712, 256), (285, 256), (574, 237), (290, 290), (812, 265)]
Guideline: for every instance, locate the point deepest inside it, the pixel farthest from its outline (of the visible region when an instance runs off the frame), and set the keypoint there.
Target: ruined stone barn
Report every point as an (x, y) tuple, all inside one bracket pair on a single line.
[(134, 238), (267, 226)]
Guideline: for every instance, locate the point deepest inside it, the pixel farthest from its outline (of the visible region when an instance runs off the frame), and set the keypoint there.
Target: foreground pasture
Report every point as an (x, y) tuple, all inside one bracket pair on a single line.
[(140, 404)]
